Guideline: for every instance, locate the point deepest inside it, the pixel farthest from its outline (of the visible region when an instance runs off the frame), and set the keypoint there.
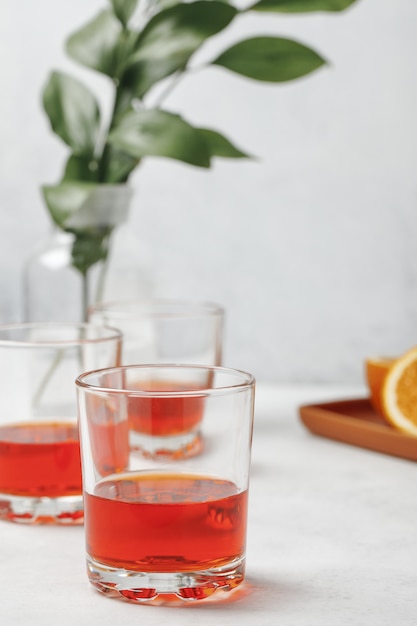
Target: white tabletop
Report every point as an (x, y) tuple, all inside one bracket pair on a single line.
[(332, 541)]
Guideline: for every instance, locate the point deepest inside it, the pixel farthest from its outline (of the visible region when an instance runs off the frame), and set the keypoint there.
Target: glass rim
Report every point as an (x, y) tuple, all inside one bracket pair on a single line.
[(111, 334), (158, 307), (247, 380)]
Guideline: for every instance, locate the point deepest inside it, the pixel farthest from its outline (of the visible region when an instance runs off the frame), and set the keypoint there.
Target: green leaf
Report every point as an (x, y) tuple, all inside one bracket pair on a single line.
[(119, 166), (89, 249), (65, 200), (300, 6), (159, 133), (96, 44), (220, 145), (80, 168), (73, 112), (124, 9), (170, 38), (270, 59)]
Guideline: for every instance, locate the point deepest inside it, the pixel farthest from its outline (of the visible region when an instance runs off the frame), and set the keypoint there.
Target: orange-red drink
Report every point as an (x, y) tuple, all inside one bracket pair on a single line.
[(40, 459), (166, 415), (165, 522)]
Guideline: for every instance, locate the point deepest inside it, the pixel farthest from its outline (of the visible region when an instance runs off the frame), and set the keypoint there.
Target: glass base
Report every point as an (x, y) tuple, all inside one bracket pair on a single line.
[(175, 447), (66, 510), (165, 587)]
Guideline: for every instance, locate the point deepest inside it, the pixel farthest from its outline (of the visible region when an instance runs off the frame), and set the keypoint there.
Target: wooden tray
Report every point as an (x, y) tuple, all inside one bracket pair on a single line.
[(355, 422)]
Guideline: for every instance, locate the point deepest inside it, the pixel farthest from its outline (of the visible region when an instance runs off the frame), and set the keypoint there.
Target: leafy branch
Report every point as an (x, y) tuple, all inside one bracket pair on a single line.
[(135, 59)]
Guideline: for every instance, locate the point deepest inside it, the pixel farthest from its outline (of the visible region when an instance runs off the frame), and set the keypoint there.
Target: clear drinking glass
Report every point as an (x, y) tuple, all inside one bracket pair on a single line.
[(158, 530), (40, 470), (166, 331)]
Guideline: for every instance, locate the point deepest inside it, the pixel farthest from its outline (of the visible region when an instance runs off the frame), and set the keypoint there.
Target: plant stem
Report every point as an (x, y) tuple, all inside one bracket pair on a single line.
[(103, 161), (102, 279), (84, 296), (177, 77), (169, 88)]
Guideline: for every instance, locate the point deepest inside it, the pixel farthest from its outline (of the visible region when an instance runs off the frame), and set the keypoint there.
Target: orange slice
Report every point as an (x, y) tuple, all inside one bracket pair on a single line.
[(399, 393), (376, 369)]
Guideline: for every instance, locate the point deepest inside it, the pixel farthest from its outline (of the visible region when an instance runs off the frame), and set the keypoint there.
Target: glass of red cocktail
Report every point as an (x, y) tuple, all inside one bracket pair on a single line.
[(40, 471), (157, 529), (166, 331)]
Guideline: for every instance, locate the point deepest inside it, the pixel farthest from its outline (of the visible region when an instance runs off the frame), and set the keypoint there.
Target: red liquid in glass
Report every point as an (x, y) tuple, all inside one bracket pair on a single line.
[(40, 459), (165, 522), (164, 416)]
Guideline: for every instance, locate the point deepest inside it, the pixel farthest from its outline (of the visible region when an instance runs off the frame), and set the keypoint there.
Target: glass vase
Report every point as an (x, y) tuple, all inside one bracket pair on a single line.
[(54, 290)]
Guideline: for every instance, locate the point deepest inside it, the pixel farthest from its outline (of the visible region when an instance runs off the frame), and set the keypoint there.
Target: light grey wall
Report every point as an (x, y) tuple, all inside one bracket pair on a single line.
[(312, 248)]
